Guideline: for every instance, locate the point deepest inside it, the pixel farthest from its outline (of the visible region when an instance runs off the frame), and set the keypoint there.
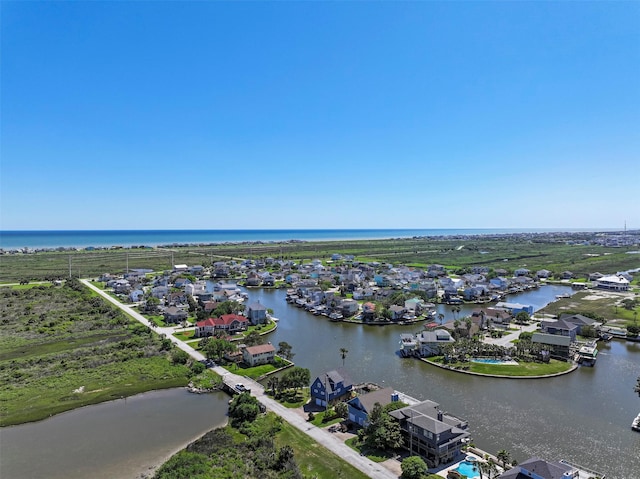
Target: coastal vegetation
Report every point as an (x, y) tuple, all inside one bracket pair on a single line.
[(554, 252), (255, 445), (64, 347)]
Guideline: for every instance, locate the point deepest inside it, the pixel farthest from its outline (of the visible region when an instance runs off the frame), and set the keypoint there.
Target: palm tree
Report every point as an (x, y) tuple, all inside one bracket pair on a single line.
[(637, 386), (504, 457), (343, 353), (273, 383), (440, 317)]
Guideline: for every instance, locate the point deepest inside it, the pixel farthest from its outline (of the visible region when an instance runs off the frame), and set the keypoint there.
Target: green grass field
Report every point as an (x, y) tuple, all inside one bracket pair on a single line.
[(522, 369), (62, 347), (315, 460)]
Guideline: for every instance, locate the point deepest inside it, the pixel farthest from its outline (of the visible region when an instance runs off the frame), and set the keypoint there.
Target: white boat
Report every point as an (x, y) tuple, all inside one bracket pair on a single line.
[(635, 425)]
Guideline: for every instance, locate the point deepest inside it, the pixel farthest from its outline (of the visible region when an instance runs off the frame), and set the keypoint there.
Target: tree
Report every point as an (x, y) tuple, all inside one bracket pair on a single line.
[(343, 354), (284, 350), (637, 386), (342, 410), (413, 468), (296, 378), (243, 409), (253, 339), (522, 317), (273, 382), (504, 457), (382, 432)]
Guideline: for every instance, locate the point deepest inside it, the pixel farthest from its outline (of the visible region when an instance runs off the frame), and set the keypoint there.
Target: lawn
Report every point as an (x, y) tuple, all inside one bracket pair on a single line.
[(605, 304), (314, 460), (185, 335), (371, 454), (319, 421), (292, 398), (522, 369)]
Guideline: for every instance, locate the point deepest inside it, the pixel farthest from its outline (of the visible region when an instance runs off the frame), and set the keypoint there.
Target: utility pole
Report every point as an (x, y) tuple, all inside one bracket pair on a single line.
[(127, 262), (69, 266)]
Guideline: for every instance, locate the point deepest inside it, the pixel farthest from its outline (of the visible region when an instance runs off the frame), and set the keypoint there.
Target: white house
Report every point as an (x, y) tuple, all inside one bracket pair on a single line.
[(613, 283)]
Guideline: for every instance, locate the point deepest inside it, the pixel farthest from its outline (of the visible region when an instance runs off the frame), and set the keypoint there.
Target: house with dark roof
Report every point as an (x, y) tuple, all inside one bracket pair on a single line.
[(580, 321), (559, 327), (540, 469), (435, 436), (361, 406), (257, 313), (331, 386), (175, 315)]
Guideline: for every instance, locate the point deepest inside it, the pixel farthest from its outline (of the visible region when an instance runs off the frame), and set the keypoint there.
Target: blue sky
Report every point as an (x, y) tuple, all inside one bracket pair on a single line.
[(136, 115)]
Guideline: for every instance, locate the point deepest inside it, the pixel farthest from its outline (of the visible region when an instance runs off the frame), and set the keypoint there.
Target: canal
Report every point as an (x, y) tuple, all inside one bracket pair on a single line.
[(583, 417)]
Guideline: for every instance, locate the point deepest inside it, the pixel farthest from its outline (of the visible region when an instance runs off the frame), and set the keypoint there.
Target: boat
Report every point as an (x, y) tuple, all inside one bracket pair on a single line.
[(635, 425), (562, 296)]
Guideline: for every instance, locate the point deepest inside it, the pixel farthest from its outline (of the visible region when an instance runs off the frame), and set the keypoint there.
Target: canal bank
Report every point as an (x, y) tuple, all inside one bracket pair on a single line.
[(582, 417)]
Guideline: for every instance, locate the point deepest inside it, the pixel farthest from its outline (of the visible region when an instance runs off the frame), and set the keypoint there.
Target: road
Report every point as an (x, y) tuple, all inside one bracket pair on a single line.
[(321, 436)]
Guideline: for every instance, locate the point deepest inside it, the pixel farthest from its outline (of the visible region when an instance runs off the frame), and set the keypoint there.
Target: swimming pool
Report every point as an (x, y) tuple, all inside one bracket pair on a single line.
[(466, 468), (494, 361)]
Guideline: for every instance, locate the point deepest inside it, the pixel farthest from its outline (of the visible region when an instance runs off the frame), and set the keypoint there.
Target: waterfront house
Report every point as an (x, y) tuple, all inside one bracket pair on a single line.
[(580, 321), (543, 273), (196, 289), (361, 406), (175, 315), (368, 311), (521, 272), (431, 343), (256, 313), (613, 283), (229, 323), (181, 282), (560, 327), (557, 345), (435, 436), (349, 307), (540, 469), (397, 311), (500, 282), (331, 386), (260, 354), (515, 308)]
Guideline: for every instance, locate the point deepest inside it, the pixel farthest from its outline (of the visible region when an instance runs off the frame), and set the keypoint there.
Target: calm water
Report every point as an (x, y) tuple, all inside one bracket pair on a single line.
[(583, 417), (117, 439), (54, 239)]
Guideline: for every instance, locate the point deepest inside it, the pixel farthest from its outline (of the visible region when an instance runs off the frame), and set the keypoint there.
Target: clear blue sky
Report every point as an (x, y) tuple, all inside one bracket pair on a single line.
[(207, 115)]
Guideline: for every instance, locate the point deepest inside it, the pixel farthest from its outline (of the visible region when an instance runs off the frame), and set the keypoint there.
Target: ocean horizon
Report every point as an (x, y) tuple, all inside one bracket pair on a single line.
[(43, 239)]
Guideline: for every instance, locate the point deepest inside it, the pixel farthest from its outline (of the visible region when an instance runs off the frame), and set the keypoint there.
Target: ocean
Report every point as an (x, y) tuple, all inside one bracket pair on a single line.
[(10, 240)]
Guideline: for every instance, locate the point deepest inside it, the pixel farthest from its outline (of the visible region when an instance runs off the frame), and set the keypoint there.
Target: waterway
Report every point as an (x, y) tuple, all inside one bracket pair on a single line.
[(116, 439), (583, 417)]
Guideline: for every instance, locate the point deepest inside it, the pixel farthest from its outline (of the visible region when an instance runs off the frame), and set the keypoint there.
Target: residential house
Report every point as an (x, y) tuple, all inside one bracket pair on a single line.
[(435, 436), (253, 279), (196, 270), (580, 321), (361, 406), (159, 291), (256, 313), (500, 282), (229, 323), (175, 315), (560, 327), (349, 307), (486, 317), (368, 311), (415, 305), (431, 343), (180, 268), (540, 469), (543, 273), (331, 386), (397, 312), (613, 283), (196, 289), (120, 286), (557, 345), (260, 354), (515, 308), (521, 272), (136, 295), (181, 282)]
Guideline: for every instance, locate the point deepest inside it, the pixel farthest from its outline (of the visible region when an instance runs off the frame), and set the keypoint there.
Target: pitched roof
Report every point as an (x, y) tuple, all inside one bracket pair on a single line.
[(381, 396), (539, 467), (229, 318), (260, 349)]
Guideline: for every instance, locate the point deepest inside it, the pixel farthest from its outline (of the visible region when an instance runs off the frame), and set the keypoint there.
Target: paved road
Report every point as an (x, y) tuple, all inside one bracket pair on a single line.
[(323, 437)]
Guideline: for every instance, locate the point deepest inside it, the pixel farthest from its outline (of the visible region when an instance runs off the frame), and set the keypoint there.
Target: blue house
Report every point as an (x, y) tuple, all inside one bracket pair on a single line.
[(500, 282), (361, 406), (515, 308), (330, 386)]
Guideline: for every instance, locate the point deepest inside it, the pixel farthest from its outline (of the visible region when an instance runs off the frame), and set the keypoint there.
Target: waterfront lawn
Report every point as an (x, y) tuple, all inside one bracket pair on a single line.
[(255, 372), (314, 460), (522, 369), (291, 398), (319, 418), (62, 348)]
